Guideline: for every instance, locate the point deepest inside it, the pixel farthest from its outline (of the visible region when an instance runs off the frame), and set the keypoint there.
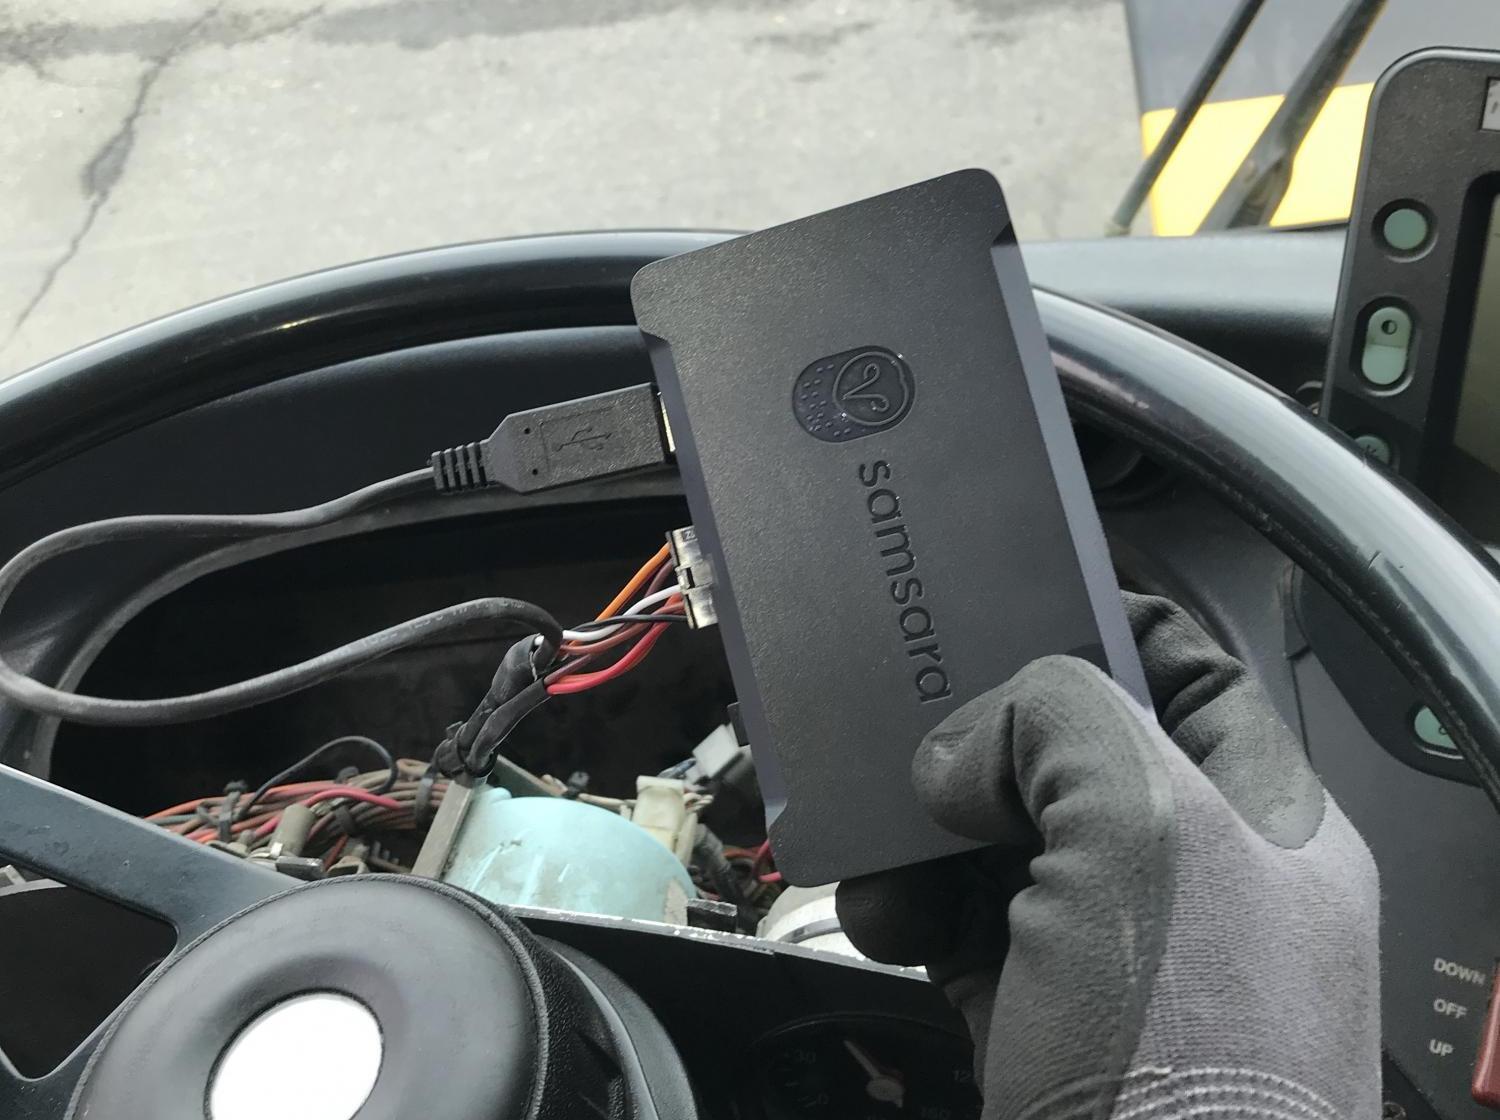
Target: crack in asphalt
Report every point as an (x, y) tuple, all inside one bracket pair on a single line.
[(226, 37), (105, 167), (103, 171), (34, 45), (813, 44)]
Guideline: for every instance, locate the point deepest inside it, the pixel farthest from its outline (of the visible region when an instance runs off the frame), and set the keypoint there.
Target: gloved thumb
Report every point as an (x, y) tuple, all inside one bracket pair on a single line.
[(1216, 712), (1058, 727)]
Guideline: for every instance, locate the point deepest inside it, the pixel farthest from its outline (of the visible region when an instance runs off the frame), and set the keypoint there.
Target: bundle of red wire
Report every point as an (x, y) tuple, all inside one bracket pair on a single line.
[(761, 862), (583, 648), (374, 801)]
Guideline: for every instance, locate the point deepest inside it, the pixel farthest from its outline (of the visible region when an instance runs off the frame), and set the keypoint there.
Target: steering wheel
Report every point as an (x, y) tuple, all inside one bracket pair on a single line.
[(553, 1032)]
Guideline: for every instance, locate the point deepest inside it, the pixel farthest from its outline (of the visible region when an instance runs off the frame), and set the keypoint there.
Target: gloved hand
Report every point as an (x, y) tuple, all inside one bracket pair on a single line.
[(1196, 934)]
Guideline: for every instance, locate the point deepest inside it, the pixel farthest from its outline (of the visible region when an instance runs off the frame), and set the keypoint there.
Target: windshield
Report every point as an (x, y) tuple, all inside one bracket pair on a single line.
[(158, 153)]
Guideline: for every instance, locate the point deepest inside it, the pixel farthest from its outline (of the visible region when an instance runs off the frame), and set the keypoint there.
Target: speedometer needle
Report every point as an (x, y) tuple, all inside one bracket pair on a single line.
[(883, 1086)]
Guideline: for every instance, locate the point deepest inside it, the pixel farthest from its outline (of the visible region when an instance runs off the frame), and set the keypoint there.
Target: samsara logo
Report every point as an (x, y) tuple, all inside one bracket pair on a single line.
[(853, 394)]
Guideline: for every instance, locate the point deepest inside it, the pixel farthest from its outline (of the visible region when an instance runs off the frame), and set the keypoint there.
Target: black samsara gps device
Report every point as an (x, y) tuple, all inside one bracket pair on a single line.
[(886, 489)]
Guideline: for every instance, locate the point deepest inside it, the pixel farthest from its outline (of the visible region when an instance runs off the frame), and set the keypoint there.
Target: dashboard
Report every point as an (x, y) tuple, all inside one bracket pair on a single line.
[(217, 412)]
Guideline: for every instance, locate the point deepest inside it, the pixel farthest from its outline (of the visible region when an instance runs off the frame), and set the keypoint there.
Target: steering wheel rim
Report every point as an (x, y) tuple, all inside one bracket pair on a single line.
[(1429, 596), (1423, 590), (1415, 581)]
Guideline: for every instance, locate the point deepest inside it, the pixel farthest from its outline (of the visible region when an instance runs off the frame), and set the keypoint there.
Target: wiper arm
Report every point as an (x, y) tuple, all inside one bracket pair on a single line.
[(1187, 110), (1261, 180)]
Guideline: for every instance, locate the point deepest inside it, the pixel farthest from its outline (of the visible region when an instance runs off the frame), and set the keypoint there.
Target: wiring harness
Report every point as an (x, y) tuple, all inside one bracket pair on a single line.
[(314, 820), (354, 822), (311, 820), (526, 678), (549, 446), (403, 794)]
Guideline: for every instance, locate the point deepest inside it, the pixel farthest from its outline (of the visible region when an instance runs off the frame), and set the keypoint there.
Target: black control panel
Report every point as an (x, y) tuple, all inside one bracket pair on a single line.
[(1439, 909), (1414, 360), (1414, 363)]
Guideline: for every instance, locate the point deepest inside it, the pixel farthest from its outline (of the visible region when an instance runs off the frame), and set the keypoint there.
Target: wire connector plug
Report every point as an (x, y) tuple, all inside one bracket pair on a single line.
[(695, 577), (575, 441)]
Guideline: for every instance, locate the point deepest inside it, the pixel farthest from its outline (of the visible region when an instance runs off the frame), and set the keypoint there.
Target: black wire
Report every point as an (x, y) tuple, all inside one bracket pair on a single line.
[(38, 697), (226, 815), (708, 854), (516, 671), (388, 763), (614, 618), (500, 723)]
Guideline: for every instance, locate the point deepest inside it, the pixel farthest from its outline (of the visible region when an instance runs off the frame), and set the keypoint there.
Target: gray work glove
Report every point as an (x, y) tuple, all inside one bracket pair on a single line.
[(1178, 923)]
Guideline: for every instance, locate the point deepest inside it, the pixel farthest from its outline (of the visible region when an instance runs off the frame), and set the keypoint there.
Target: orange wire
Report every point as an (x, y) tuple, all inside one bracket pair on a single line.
[(648, 569)]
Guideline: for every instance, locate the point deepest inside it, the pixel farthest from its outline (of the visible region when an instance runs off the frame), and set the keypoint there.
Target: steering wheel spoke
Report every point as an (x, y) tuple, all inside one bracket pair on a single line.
[(80, 842)]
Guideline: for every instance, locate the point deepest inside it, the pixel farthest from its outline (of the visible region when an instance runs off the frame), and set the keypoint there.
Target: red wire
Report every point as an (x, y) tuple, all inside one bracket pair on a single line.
[(619, 638), (329, 794), (204, 833), (274, 791), (357, 794), (581, 682), (763, 856)]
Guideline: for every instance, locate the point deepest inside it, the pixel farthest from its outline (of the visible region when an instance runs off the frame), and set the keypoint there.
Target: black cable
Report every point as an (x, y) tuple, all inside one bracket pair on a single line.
[(708, 854), (226, 815), (517, 670), (472, 747), (38, 697), (388, 763), (343, 818), (501, 722)]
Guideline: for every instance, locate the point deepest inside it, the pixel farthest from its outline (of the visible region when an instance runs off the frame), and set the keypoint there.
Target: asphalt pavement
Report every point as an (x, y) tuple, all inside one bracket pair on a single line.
[(158, 153)]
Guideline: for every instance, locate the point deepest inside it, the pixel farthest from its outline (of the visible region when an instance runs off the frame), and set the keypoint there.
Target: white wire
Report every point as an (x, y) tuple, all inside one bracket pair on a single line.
[(640, 607)]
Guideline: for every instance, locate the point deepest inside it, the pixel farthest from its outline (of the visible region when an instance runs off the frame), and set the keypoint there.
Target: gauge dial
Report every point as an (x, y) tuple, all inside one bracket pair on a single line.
[(865, 1068)]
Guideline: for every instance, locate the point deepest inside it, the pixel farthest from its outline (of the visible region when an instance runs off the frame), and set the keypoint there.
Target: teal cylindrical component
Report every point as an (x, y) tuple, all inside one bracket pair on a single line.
[(566, 855)]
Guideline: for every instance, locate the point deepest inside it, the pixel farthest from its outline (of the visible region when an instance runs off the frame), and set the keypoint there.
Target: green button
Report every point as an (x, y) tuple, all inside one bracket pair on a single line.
[(1387, 346), (1405, 229), (1378, 448), (1430, 730)]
